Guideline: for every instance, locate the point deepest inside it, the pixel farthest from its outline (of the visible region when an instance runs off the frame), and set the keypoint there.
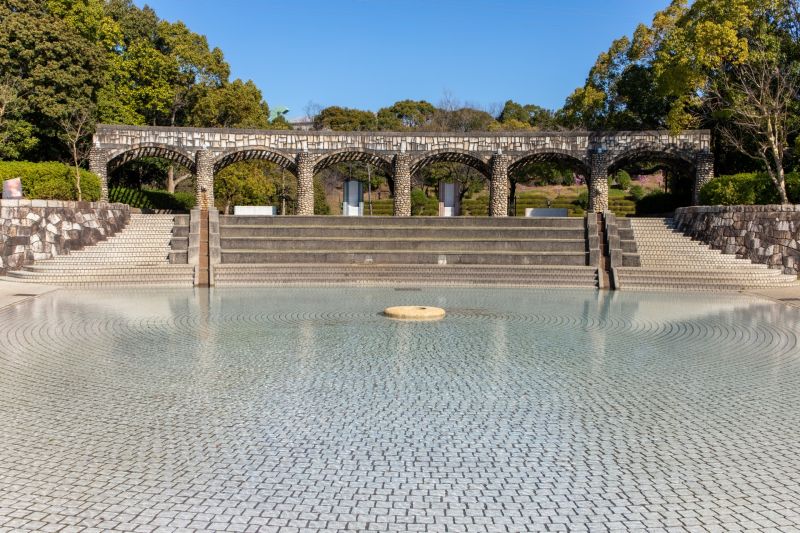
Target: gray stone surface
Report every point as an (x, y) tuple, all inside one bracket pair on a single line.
[(305, 410), (767, 234), (498, 188), (118, 144), (32, 230)]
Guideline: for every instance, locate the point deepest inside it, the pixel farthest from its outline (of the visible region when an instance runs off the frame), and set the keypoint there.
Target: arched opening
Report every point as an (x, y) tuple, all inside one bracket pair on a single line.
[(152, 178), (371, 170), (470, 173), (656, 180), (553, 180), (256, 176), (255, 182)]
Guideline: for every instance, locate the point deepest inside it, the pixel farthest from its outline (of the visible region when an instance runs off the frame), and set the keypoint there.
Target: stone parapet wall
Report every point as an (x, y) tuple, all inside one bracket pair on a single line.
[(33, 230), (767, 234)]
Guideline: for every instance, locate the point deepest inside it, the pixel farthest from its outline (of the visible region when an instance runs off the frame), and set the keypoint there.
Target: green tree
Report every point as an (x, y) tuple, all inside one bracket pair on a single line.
[(52, 67), (405, 115), (345, 119), (237, 104), (246, 183)]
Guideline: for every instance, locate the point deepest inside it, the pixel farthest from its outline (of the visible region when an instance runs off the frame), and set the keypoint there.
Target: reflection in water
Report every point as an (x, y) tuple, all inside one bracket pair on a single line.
[(262, 396)]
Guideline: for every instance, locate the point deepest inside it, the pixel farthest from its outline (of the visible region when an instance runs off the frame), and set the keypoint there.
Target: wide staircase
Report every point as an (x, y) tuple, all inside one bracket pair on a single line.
[(672, 261), (424, 251), (137, 255)]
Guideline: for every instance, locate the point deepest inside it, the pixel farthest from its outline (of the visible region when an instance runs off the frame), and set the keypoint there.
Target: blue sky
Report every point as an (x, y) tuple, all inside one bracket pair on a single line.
[(370, 53)]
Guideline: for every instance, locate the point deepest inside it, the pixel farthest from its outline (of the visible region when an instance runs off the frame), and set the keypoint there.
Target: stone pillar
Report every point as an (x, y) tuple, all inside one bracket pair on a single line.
[(98, 164), (305, 184), (498, 186), (204, 179), (598, 182), (704, 172), (402, 185)]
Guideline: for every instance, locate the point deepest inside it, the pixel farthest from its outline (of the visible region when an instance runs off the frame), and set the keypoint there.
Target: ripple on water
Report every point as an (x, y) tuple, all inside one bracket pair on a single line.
[(519, 404)]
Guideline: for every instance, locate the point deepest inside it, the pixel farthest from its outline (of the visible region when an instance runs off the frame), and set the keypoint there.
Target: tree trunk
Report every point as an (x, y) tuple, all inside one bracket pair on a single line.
[(512, 195), (77, 172), (171, 179)]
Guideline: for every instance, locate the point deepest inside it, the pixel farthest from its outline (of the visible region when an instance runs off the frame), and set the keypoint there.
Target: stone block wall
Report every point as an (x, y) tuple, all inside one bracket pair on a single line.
[(33, 230), (767, 234)]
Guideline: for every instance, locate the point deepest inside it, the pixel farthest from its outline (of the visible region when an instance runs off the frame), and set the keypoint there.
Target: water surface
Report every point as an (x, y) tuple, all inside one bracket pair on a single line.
[(522, 410)]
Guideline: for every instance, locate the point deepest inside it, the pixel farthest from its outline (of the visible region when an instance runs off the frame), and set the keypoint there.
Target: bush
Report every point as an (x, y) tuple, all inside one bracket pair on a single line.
[(582, 200), (637, 192), (321, 206), (51, 180), (747, 189), (621, 178), (657, 203), (422, 205), (152, 199)]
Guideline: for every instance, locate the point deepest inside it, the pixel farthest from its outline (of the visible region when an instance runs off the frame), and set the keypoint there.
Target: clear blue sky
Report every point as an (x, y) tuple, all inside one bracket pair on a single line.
[(370, 53)]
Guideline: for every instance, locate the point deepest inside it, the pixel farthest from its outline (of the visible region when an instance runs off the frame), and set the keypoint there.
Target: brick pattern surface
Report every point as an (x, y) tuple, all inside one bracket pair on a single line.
[(305, 410)]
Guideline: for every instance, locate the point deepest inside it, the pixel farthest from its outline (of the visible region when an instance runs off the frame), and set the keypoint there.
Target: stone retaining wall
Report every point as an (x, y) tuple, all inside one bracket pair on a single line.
[(766, 234), (32, 230)]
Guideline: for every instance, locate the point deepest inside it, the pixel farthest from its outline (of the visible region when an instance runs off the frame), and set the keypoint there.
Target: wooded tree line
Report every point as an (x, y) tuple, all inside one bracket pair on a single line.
[(729, 65)]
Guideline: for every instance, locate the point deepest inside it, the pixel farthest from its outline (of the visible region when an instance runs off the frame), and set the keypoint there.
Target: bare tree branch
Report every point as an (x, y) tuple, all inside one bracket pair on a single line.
[(756, 100)]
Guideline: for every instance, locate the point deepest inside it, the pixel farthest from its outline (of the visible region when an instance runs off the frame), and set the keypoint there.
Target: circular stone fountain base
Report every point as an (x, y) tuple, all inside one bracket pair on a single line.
[(414, 312)]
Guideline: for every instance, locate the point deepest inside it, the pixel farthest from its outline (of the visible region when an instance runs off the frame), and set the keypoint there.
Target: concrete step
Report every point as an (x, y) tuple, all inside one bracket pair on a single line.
[(330, 221), (414, 275), (110, 267), (418, 244), (403, 257), (386, 232)]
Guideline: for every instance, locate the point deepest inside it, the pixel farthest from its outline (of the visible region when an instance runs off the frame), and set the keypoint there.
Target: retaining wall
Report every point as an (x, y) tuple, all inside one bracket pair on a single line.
[(32, 230), (766, 234)]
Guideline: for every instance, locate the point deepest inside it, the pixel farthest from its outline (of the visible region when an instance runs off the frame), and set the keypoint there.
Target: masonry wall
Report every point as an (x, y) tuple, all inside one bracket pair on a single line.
[(767, 234), (32, 230)]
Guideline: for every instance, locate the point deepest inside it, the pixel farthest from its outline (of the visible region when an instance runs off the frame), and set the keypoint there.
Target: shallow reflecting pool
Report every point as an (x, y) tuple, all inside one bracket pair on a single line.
[(305, 409)]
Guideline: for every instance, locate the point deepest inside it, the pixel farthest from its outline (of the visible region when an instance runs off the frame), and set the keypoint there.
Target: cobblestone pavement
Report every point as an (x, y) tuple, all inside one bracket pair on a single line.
[(305, 410)]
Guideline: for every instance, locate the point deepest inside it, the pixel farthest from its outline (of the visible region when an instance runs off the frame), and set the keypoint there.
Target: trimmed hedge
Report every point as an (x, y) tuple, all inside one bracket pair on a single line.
[(51, 180), (152, 199), (748, 189)]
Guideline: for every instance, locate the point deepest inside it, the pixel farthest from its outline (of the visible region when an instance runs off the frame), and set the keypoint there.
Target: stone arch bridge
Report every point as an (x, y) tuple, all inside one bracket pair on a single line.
[(205, 151)]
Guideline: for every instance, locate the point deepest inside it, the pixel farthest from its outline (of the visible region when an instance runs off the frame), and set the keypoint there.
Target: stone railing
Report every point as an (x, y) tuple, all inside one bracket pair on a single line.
[(32, 230), (768, 234)]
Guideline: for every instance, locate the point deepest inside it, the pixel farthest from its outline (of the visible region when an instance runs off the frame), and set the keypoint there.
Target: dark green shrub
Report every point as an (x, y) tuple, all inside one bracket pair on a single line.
[(621, 178), (321, 206), (747, 189), (637, 192), (152, 199), (582, 200), (51, 180), (418, 201), (657, 203)]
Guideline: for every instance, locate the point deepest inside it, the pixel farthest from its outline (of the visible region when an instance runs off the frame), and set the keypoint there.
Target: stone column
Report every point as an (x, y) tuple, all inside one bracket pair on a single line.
[(204, 179), (305, 184), (598, 182), (98, 164), (498, 186), (402, 185), (704, 172)]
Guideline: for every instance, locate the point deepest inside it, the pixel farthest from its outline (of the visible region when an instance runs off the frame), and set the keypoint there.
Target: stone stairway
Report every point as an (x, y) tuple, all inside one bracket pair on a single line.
[(137, 255), (672, 261), (420, 251)]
